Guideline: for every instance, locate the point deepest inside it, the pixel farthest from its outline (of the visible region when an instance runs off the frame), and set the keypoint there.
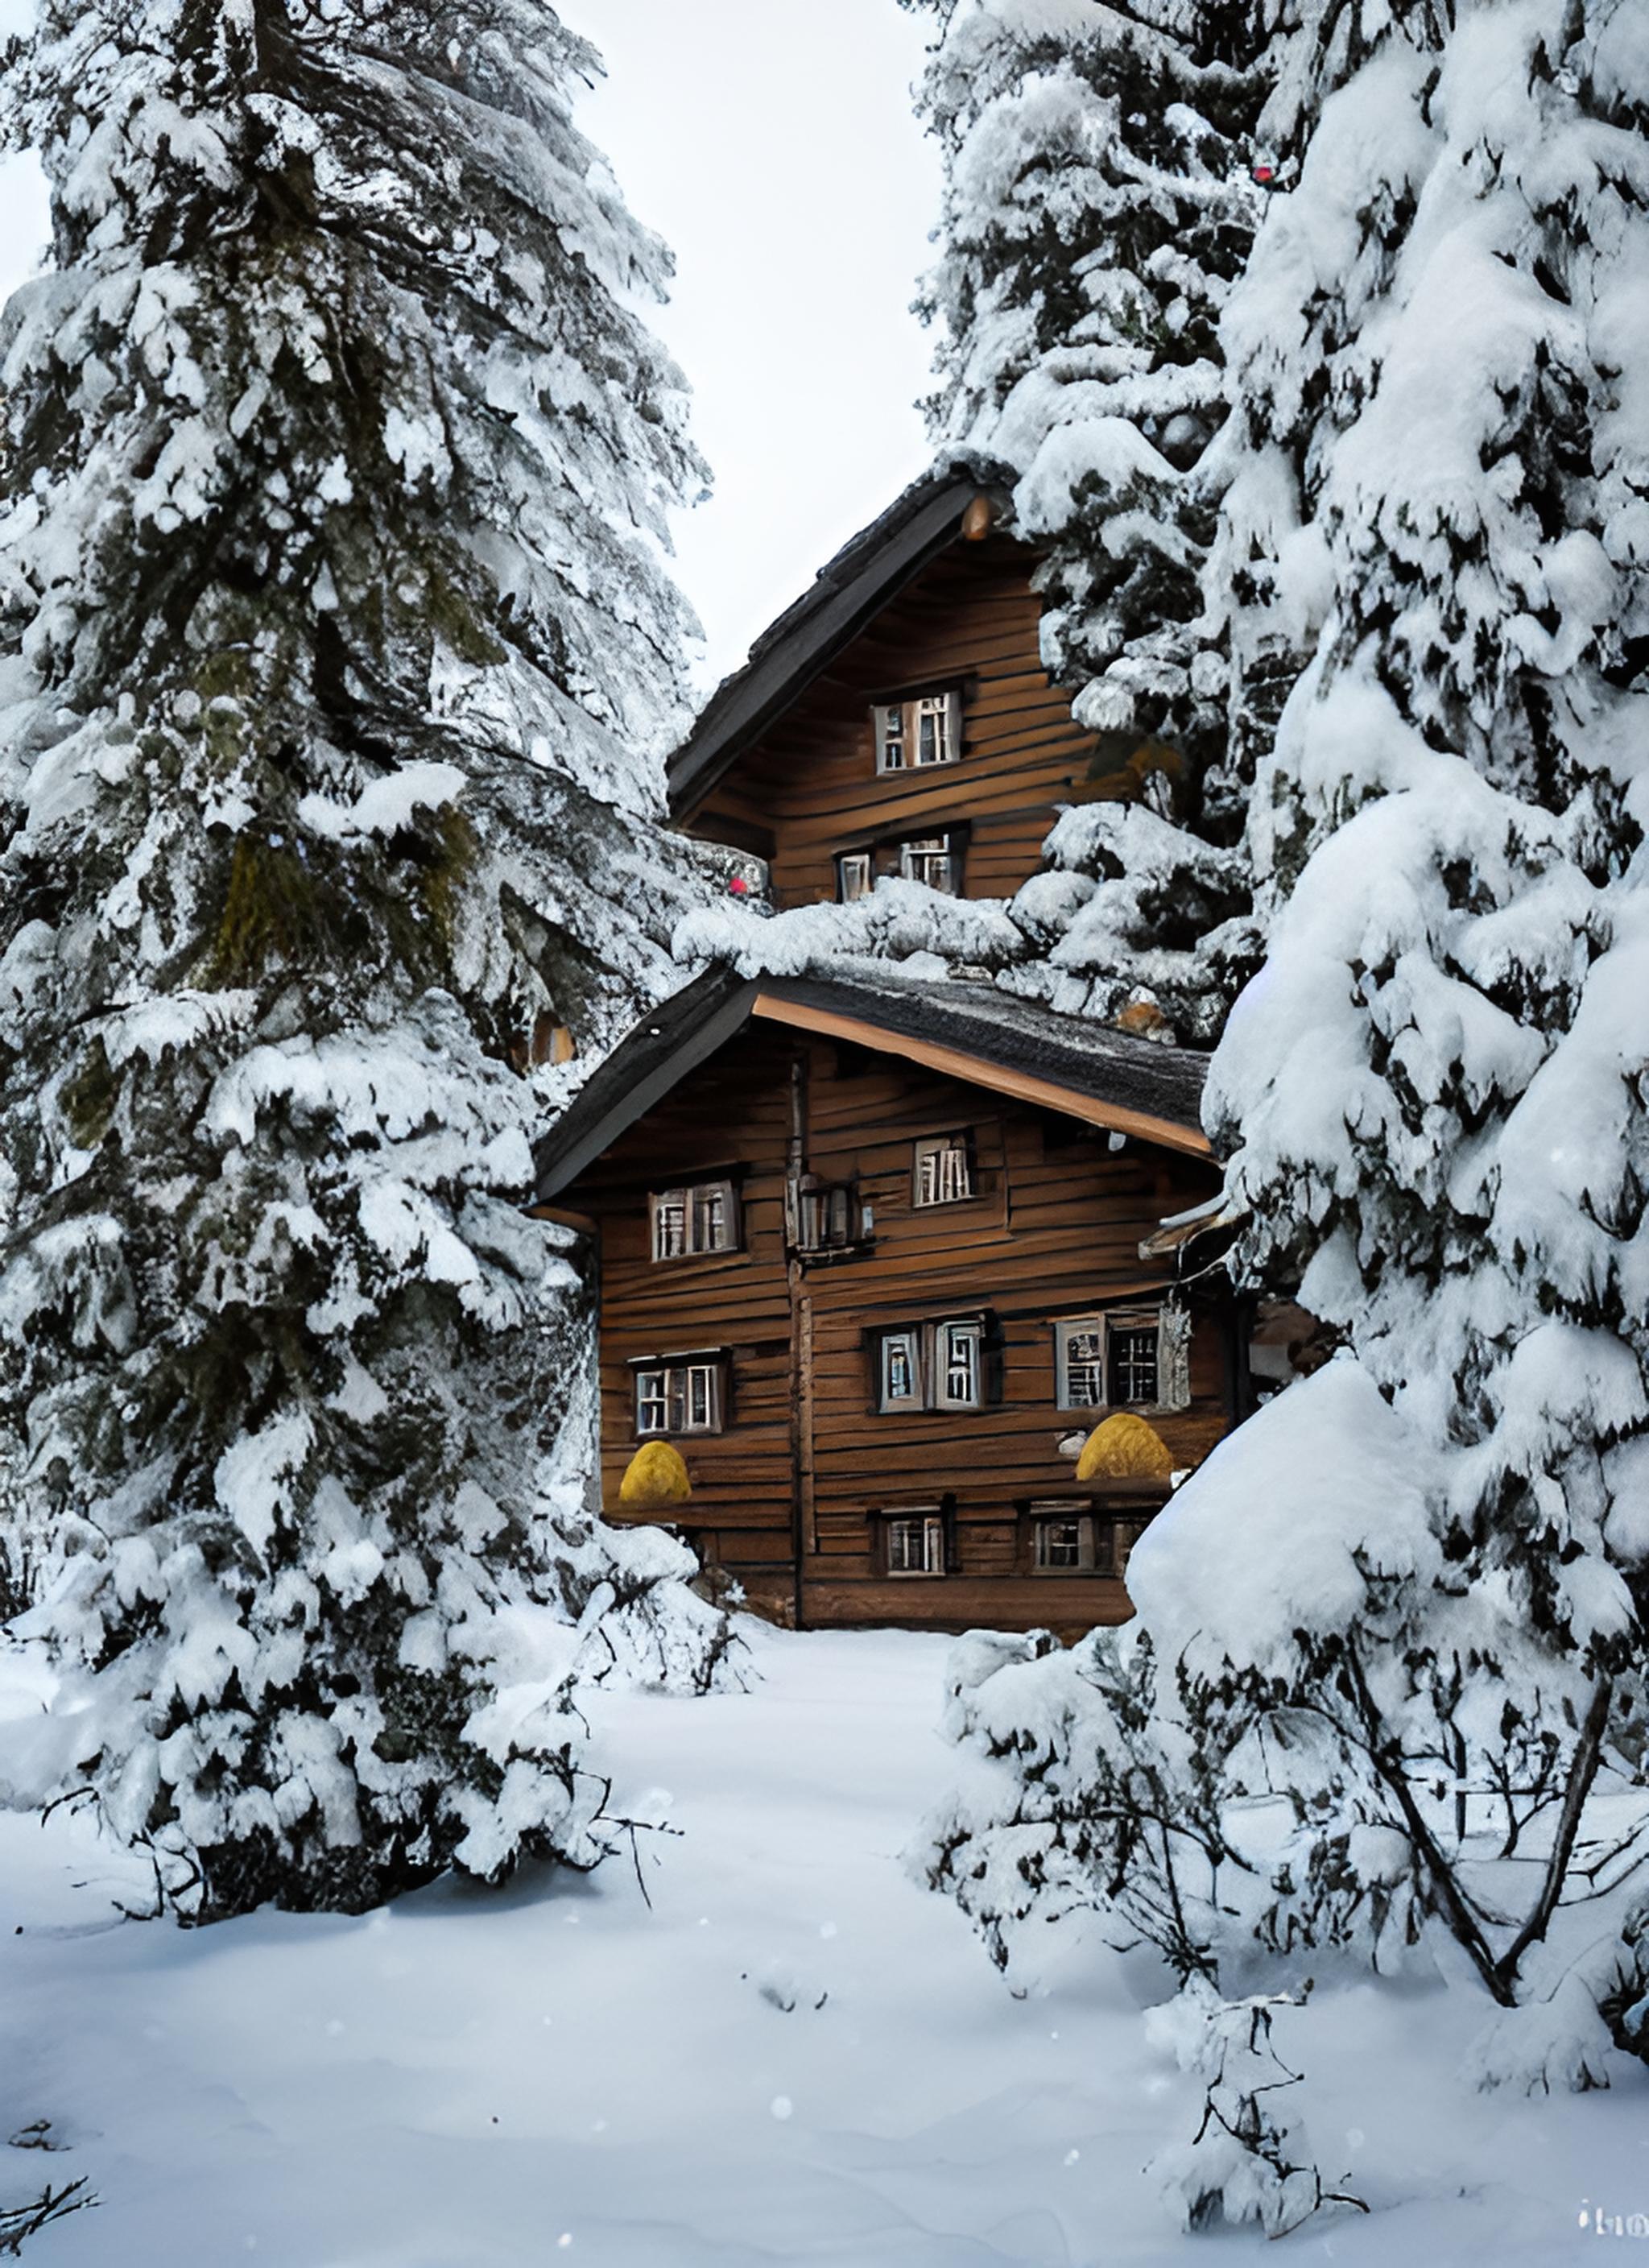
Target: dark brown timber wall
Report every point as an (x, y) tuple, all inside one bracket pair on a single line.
[(809, 788), (787, 1497)]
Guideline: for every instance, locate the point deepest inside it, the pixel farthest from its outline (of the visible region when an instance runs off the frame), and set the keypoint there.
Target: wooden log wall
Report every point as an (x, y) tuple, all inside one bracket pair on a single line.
[(807, 1458), (810, 787)]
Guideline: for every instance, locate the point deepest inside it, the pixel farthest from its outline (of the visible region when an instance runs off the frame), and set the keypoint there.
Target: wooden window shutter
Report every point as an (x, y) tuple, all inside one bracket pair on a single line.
[(1174, 1356)]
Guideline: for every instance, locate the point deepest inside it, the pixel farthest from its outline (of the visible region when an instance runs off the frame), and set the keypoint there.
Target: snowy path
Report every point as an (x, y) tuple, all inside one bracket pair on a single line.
[(466, 2081)]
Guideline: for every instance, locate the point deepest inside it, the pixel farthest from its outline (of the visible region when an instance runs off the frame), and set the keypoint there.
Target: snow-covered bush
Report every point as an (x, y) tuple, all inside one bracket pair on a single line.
[(1399, 1616), (336, 468), (1249, 2158)]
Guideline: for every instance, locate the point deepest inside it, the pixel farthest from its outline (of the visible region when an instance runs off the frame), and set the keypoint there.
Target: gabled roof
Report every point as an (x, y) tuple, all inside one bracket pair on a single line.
[(967, 1031), (848, 593)]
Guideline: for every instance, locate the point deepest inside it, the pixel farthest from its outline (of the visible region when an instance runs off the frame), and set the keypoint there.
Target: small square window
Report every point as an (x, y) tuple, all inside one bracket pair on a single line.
[(915, 1543), (944, 1170), (929, 858), (1065, 1543), (855, 877), (683, 1397), (702, 1218), (915, 734)]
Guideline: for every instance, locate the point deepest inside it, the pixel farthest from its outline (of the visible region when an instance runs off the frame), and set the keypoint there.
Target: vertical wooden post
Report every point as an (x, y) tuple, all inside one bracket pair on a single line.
[(801, 1396)]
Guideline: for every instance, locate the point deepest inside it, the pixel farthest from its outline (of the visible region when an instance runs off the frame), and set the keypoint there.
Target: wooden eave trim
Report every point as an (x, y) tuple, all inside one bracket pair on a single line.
[(977, 1070), (596, 1132)]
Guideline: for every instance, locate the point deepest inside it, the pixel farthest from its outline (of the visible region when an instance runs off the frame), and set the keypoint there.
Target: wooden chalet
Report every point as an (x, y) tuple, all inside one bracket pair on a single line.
[(870, 1265), (897, 719)]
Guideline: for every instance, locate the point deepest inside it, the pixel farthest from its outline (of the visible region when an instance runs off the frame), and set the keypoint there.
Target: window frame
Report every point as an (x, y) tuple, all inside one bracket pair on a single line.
[(692, 1199), (955, 1143), (678, 1377), (947, 1334), (934, 1545), (1172, 1327), (927, 851), (864, 859), (1045, 1518), (896, 726), (931, 1353)]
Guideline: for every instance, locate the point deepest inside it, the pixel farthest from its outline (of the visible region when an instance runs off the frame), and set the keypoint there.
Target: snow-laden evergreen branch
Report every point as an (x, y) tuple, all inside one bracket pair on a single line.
[(334, 637)]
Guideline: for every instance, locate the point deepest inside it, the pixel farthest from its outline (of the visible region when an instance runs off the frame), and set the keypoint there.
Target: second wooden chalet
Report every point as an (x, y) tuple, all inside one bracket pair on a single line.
[(876, 1330), (898, 719)]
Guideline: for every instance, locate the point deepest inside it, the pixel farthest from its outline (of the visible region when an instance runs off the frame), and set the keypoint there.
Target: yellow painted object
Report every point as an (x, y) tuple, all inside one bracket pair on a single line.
[(657, 1476), (1123, 1447)]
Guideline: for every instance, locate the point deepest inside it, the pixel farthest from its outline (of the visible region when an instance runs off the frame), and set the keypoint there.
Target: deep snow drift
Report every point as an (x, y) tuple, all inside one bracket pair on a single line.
[(796, 2055)]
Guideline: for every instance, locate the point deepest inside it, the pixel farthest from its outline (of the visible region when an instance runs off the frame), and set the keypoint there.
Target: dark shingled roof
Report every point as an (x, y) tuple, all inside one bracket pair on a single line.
[(868, 571), (1071, 1062)]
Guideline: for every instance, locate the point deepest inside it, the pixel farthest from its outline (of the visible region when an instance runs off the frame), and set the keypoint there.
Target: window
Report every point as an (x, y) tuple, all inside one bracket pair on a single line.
[(901, 1371), (913, 735), (1137, 1358), (944, 1170), (828, 1217), (958, 1352), (929, 858), (1131, 1355), (915, 1543), (703, 1218), (933, 1366), (682, 1396), (1064, 1542), (856, 876), (1081, 1364)]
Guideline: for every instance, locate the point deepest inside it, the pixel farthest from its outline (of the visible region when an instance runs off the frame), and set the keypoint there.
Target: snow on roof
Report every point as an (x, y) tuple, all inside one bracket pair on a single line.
[(964, 1030)]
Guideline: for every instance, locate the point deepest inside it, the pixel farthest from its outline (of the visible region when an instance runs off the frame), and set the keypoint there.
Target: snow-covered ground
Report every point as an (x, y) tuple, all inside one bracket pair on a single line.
[(797, 2054)]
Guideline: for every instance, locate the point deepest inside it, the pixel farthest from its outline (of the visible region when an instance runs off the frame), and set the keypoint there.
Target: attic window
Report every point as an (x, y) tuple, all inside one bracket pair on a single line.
[(943, 1171), (915, 735)]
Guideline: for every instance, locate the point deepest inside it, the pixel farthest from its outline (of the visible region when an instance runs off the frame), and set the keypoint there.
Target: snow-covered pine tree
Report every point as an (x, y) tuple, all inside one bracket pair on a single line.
[(1409, 1597), (332, 616), (1103, 183)]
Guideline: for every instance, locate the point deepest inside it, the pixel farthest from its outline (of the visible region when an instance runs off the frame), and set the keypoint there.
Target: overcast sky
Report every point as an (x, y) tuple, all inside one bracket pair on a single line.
[(771, 142)]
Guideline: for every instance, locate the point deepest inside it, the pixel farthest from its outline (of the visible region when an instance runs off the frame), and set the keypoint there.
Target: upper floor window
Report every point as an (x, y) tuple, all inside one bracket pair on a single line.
[(944, 1170), (827, 1216), (912, 735), (932, 1365), (683, 1395), (700, 1217), (1129, 1358)]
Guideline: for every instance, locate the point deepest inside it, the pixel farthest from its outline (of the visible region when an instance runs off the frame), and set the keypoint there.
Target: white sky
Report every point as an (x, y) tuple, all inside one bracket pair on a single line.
[(772, 144)]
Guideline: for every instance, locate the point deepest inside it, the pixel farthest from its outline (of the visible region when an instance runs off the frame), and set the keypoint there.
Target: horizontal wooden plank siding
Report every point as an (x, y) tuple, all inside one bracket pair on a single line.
[(1052, 1230), (810, 783)]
